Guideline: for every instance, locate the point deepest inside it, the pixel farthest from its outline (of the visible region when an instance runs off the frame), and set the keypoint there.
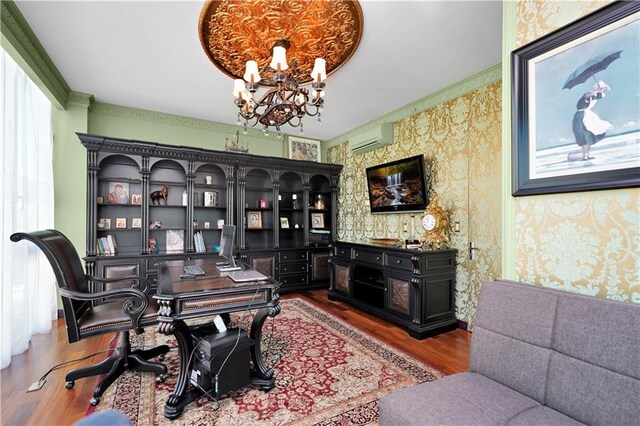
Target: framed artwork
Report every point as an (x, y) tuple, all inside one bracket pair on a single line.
[(317, 220), (136, 222), (118, 193), (303, 149), (576, 121), (254, 220), (175, 240), (284, 222), (210, 198), (153, 245), (121, 223), (104, 223), (136, 198)]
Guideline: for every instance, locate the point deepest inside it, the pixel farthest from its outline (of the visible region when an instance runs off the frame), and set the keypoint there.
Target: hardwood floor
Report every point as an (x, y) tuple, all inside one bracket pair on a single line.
[(54, 405)]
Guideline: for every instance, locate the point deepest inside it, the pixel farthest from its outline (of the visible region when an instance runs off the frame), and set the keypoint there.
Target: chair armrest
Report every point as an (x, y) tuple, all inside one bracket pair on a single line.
[(134, 306), (143, 282)]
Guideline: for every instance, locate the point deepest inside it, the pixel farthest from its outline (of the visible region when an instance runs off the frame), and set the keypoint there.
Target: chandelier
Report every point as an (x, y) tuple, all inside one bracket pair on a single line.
[(285, 101), (250, 41)]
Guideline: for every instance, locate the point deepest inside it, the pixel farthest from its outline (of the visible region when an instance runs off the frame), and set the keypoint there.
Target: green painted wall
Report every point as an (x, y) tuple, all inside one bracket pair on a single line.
[(69, 170), (132, 123)]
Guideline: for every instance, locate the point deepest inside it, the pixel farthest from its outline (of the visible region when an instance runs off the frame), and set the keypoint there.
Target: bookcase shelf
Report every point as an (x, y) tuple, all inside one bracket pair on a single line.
[(217, 188)]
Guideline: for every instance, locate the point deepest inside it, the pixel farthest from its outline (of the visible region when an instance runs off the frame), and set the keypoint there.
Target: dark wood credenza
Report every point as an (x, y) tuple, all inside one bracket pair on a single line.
[(411, 288)]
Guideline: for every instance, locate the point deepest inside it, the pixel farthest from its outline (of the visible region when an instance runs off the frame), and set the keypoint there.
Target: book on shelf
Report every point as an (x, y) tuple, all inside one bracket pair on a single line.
[(106, 245), (175, 240), (198, 242)]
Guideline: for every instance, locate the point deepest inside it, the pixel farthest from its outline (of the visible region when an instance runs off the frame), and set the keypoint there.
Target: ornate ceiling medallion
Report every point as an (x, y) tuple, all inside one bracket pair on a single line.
[(233, 32)]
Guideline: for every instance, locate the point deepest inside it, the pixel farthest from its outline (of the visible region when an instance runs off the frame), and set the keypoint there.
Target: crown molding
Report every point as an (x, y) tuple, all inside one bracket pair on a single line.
[(174, 120), (84, 99), (19, 40), (469, 84)]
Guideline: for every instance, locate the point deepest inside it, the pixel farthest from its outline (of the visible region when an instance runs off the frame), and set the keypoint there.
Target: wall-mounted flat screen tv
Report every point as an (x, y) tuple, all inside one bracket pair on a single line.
[(397, 187)]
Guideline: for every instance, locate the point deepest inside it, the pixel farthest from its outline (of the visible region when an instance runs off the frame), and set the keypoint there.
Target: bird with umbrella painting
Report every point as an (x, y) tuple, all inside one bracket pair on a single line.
[(588, 127)]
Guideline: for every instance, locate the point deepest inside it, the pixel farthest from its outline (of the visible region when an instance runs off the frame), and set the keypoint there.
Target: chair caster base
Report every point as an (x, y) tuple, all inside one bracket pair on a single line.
[(70, 384), (94, 401), (161, 357), (161, 378)]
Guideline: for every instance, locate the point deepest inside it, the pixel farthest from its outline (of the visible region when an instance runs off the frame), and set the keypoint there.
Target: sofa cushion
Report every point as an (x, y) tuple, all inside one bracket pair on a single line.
[(521, 311), (600, 332), (465, 398), (592, 394), (511, 362), (542, 415)]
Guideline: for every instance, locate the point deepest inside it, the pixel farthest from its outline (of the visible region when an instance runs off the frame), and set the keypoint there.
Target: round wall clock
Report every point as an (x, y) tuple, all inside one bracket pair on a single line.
[(434, 222)]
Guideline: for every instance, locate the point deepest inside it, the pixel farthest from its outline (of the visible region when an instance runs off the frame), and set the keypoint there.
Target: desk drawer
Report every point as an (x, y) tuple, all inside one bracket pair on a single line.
[(293, 256), (367, 256), (400, 262), (294, 279), (343, 252), (292, 268)]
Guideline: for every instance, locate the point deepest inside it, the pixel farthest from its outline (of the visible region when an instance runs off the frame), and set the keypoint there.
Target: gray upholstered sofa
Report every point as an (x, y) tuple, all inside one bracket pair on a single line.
[(538, 357)]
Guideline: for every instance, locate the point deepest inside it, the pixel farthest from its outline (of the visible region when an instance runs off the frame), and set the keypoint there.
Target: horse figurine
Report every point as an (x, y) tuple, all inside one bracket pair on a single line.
[(162, 194)]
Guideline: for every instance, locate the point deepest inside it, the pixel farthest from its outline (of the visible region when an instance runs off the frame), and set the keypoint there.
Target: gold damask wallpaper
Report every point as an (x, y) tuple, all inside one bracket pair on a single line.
[(461, 141), (585, 242)]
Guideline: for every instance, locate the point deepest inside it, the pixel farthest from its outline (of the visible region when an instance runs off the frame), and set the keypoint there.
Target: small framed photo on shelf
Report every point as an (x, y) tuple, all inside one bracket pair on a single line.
[(136, 198), (153, 245), (254, 220), (207, 225), (118, 193), (210, 198), (155, 224), (317, 220), (100, 199), (136, 222), (104, 223), (284, 223), (121, 223)]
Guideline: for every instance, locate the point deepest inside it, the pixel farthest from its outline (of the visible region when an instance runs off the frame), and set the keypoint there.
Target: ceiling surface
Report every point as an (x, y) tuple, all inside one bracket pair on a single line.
[(148, 55)]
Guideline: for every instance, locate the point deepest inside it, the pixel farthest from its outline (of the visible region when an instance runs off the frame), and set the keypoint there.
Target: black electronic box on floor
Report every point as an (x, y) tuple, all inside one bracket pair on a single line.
[(212, 347)]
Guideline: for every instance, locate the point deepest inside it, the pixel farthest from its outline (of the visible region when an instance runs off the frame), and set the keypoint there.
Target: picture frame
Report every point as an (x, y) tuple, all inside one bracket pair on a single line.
[(136, 222), (210, 198), (104, 223), (284, 223), (118, 193), (136, 198), (121, 223), (153, 245), (572, 128), (254, 219), (317, 220), (303, 149)]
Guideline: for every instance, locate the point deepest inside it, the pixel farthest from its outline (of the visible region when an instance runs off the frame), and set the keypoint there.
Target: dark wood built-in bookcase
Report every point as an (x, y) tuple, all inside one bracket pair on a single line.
[(204, 187)]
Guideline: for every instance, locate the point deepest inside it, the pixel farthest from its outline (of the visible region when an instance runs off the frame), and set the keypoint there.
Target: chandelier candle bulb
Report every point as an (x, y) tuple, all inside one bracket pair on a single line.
[(319, 70), (251, 74), (279, 60), (238, 88)]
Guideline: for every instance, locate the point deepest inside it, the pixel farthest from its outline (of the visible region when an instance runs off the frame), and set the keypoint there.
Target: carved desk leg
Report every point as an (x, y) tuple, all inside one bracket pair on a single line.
[(263, 377), (181, 396)]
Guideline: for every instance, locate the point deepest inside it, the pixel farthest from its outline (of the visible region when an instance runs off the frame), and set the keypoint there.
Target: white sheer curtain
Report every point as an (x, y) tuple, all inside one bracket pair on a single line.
[(26, 189)]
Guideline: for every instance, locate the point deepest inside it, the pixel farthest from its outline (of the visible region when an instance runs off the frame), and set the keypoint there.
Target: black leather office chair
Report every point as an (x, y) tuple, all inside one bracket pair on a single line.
[(119, 310)]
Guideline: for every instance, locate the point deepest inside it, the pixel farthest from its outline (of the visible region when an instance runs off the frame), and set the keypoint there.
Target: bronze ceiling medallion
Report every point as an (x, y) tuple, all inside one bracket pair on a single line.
[(233, 32)]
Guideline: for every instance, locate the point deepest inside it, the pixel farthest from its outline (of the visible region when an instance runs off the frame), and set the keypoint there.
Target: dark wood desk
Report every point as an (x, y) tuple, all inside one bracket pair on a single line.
[(214, 293)]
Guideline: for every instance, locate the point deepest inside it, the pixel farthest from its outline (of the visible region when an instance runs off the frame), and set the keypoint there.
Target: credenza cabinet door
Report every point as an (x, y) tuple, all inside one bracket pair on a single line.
[(342, 278), (399, 294)]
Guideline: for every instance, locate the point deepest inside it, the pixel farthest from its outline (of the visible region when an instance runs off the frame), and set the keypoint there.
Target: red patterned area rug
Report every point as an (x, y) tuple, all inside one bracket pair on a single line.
[(327, 373)]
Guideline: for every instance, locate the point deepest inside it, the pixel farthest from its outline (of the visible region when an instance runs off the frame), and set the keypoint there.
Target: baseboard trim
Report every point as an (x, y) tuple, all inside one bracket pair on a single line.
[(463, 325)]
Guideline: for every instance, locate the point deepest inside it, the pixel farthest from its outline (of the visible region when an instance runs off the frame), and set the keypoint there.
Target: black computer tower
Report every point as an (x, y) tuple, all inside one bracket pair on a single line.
[(212, 347)]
